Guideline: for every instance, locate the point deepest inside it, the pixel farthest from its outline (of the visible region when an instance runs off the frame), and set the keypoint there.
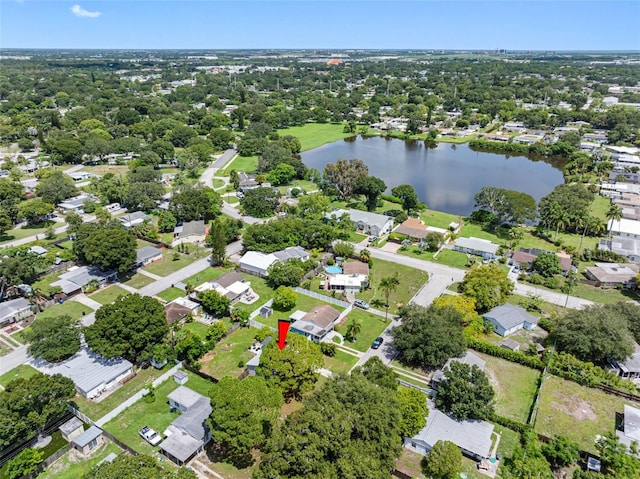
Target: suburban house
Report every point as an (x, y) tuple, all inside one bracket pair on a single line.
[(187, 435), (627, 247), (315, 324), (509, 318), (191, 232), (371, 223), (71, 429), (89, 440), (472, 437), (524, 257), (14, 310), (246, 182), (147, 255), (75, 204), (179, 309), (413, 229), (476, 246), (38, 250), (29, 185), (613, 275), (624, 228), (354, 277), (257, 263), (469, 358), (91, 373), (136, 218), (629, 431), (230, 285), (630, 367), (79, 277)]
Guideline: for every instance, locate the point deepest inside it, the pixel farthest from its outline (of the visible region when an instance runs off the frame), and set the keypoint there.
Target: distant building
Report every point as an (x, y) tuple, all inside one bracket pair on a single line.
[(190, 232), (366, 222), (134, 219), (257, 263), (75, 204)]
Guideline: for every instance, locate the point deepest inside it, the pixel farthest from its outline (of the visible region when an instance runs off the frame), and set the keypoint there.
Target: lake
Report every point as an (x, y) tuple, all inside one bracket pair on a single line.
[(447, 177)]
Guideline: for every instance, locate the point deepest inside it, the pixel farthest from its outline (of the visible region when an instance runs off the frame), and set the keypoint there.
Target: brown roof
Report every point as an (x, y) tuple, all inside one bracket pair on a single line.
[(413, 227), (175, 312), (355, 267), (522, 257), (323, 315), (228, 279)]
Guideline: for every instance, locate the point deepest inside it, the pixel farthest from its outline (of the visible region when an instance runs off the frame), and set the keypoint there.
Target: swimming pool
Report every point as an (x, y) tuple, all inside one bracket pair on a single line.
[(333, 269)]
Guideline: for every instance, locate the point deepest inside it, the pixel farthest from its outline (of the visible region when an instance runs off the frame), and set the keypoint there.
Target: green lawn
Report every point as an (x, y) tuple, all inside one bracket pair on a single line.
[(144, 377), (196, 328), (44, 283), (156, 415), (68, 468), (248, 164), (438, 219), (600, 295), (447, 257), (411, 280), (223, 360), (168, 265), (303, 185), (231, 199), (30, 230), (260, 287), (23, 371), (304, 303), (313, 135), (109, 294), (139, 281), (218, 183), (207, 274), (372, 327), (224, 469), (171, 293), (340, 363), (515, 386), (71, 308), (356, 237), (577, 412)]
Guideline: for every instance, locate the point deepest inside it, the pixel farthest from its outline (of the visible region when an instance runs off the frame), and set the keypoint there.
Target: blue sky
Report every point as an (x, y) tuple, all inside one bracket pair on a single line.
[(211, 24)]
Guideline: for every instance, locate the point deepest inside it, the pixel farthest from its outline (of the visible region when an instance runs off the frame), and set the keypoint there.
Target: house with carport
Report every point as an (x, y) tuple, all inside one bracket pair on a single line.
[(476, 246), (315, 324), (508, 318)]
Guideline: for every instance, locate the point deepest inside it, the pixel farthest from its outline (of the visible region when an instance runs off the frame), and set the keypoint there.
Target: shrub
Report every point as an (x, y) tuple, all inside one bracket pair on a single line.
[(328, 349), (552, 283), (535, 279), (509, 355), (241, 363)]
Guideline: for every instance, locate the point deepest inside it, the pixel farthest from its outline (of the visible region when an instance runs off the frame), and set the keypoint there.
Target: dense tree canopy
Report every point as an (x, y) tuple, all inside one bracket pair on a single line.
[(56, 187), (289, 231), (414, 410), (547, 264), (109, 247), (408, 196), (129, 327), (371, 187), (344, 174), (260, 202), (214, 303), (195, 203), (245, 413), (488, 285), (54, 339), (142, 466), (507, 206), (350, 428), (443, 461), (465, 392), (428, 337), (378, 373)]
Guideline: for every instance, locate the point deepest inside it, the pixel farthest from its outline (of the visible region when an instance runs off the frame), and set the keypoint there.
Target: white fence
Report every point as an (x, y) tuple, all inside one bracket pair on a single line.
[(321, 297)]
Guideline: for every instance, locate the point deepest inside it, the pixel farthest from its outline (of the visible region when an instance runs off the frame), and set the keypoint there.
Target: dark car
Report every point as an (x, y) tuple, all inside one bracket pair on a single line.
[(377, 342)]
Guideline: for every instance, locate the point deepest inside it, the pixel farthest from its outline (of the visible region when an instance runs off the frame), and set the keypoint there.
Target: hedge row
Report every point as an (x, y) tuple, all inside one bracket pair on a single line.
[(391, 199), (513, 356), (569, 367), (516, 426)]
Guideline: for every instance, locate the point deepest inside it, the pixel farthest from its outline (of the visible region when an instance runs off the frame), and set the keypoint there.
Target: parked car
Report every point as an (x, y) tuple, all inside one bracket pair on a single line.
[(150, 436), (372, 239), (361, 304), (377, 342)]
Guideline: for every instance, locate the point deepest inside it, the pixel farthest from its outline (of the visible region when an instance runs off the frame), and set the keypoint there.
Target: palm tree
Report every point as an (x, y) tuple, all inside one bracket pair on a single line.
[(365, 255), (614, 213), (515, 236), (561, 220), (389, 285), (353, 329)]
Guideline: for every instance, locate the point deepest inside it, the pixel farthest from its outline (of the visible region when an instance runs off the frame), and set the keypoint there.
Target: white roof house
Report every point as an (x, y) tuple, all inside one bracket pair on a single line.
[(91, 373), (477, 246), (258, 263), (14, 310), (624, 227), (75, 203), (472, 437), (509, 318), (134, 219)]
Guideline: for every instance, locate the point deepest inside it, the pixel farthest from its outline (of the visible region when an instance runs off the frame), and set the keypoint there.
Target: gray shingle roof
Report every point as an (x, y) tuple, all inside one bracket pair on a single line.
[(190, 228), (371, 219), (147, 252), (87, 436), (13, 306), (84, 274), (184, 396), (70, 426), (181, 445), (193, 420), (509, 315)]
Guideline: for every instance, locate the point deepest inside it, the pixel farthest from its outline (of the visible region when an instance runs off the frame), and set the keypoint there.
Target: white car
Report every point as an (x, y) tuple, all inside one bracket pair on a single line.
[(150, 436)]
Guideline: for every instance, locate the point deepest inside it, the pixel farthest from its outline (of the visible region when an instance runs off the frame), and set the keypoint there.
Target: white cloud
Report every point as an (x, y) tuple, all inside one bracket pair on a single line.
[(78, 11)]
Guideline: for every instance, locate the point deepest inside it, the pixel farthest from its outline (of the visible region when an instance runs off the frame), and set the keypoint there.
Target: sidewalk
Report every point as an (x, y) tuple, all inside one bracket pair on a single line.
[(84, 299)]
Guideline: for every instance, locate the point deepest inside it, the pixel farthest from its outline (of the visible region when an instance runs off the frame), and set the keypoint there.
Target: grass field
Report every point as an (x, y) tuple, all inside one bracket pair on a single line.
[(26, 231), (340, 363), (139, 281), (225, 357), (109, 294), (577, 412), (44, 283), (447, 257), (205, 275), (157, 414), (372, 327), (515, 386), (248, 164), (23, 371), (218, 183), (196, 328), (71, 308), (313, 135), (231, 199), (72, 465), (168, 265), (171, 293)]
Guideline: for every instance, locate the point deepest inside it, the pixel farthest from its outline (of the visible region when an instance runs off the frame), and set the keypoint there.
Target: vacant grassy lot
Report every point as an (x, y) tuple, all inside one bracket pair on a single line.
[(340, 363), (248, 164), (372, 327), (139, 281), (197, 328), (144, 377), (577, 412), (109, 294), (72, 465), (23, 371), (168, 265), (515, 386), (24, 232), (225, 357), (313, 135), (447, 257), (156, 414), (71, 308)]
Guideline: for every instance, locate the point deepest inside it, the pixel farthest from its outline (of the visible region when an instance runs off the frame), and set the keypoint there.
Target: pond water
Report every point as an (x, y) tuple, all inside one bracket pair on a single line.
[(447, 177)]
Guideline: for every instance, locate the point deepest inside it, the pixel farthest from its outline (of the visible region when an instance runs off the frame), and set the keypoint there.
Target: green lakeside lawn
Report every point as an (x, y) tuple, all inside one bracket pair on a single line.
[(143, 379), (372, 327), (68, 467), (248, 164), (109, 294), (157, 414), (139, 281), (168, 265), (438, 219), (224, 359), (23, 371), (303, 185), (170, 294), (313, 135), (577, 412), (515, 386)]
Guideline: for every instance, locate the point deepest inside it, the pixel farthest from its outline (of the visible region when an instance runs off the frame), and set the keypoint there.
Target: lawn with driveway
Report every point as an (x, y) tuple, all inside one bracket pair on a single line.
[(372, 327), (109, 294), (168, 264)]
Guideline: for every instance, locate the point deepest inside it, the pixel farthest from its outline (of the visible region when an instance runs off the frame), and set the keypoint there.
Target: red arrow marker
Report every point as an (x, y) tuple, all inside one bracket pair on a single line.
[(283, 329)]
